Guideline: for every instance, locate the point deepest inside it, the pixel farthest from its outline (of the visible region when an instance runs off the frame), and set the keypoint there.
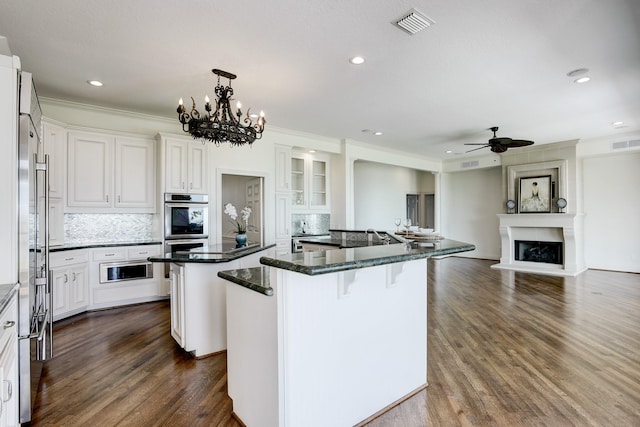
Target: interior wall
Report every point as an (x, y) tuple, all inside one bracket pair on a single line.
[(470, 204), (611, 206), (380, 193)]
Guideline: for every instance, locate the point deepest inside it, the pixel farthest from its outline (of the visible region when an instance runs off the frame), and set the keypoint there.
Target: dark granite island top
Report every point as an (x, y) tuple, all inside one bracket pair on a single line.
[(223, 252), (331, 261)]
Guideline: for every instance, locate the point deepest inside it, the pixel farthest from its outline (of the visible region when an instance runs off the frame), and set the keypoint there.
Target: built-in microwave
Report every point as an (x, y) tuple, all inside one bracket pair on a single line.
[(125, 270), (186, 216)]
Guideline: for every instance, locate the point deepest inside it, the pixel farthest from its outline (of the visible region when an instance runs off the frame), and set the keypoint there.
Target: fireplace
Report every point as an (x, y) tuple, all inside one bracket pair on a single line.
[(552, 243), (536, 251)]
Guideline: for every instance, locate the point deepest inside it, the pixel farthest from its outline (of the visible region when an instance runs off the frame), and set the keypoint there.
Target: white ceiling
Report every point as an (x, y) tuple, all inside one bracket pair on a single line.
[(482, 64)]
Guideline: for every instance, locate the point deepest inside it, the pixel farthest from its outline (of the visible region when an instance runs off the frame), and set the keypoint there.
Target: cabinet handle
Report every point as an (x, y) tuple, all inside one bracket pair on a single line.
[(9, 391), (109, 254), (191, 185), (118, 198), (66, 278), (69, 259), (74, 277), (143, 253), (9, 324), (107, 198), (183, 185)]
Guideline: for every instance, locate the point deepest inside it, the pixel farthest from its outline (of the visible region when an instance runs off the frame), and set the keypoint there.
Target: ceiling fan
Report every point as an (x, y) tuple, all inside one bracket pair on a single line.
[(500, 145)]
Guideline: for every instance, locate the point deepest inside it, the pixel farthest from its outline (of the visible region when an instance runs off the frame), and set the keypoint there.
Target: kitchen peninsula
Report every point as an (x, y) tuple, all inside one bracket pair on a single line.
[(198, 295), (331, 337)]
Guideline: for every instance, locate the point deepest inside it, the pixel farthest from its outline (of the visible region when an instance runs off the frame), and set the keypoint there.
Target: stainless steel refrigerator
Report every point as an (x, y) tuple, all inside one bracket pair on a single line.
[(34, 301)]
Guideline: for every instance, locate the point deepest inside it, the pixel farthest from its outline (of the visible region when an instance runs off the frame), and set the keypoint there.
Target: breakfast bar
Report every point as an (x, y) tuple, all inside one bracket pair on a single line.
[(330, 337)]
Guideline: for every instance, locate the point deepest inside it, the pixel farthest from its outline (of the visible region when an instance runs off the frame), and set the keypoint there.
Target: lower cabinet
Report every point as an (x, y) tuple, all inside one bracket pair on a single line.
[(70, 282), (9, 415), (176, 278)]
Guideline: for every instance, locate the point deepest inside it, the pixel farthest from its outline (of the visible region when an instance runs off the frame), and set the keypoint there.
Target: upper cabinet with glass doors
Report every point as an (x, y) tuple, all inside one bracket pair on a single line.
[(309, 182)]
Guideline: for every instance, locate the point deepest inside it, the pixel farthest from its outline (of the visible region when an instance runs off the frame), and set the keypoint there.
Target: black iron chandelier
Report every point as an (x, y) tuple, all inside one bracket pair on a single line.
[(221, 125)]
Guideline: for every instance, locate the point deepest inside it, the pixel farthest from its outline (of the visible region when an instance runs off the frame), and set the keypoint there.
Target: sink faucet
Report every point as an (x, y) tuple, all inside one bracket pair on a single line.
[(385, 240)]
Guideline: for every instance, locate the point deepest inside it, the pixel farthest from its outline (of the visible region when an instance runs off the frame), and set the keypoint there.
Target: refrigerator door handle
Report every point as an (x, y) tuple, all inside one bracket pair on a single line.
[(45, 348)]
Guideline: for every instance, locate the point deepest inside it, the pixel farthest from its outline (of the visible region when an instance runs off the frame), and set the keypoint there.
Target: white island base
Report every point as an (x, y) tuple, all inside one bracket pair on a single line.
[(327, 350)]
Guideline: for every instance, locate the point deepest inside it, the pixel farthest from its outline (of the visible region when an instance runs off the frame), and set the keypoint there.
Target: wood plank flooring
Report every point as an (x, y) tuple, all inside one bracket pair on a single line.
[(504, 349)]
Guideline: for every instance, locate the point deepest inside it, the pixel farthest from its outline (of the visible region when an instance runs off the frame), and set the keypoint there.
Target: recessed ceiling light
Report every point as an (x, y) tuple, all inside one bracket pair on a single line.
[(449, 151), (312, 151), (95, 83), (617, 123), (378, 133), (582, 80), (357, 60)]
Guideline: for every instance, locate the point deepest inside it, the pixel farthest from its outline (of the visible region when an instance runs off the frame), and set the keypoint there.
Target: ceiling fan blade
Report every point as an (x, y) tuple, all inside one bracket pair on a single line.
[(472, 143), (518, 143), (475, 149)]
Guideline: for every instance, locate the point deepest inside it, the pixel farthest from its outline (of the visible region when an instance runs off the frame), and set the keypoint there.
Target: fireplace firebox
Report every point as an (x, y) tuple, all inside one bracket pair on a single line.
[(534, 251)]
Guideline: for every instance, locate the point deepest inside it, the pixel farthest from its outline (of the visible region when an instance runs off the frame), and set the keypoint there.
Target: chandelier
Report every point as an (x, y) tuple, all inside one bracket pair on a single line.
[(221, 125)]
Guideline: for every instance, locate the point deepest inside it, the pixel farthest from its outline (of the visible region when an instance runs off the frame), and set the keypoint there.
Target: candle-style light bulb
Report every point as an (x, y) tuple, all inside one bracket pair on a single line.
[(206, 99), (239, 106), (180, 102)]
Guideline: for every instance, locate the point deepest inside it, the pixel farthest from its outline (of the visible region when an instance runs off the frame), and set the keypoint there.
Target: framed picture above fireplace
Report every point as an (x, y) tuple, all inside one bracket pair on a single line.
[(535, 194)]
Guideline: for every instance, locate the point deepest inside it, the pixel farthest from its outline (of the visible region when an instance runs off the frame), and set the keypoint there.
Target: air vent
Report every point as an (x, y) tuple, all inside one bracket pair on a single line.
[(634, 144), (470, 164), (413, 22)]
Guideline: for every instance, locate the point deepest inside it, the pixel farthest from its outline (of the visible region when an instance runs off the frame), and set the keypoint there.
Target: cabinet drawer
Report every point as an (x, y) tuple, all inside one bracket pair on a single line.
[(143, 252), (8, 323), (64, 258), (117, 253)]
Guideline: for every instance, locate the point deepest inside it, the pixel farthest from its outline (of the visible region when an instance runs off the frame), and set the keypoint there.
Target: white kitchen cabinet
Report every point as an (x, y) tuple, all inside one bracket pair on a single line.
[(55, 138), (309, 182), (9, 415), (283, 223), (108, 173), (70, 282), (176, 277), (122, 292), (186, 166), (90, 170), (135, 173), (56, 220), (283, 168)]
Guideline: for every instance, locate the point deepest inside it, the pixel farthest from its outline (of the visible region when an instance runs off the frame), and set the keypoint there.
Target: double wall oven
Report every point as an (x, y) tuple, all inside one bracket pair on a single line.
[(186, 222)]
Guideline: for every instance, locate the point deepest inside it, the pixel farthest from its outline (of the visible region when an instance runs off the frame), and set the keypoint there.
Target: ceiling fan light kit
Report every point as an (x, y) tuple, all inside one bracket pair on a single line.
[(500, 145)]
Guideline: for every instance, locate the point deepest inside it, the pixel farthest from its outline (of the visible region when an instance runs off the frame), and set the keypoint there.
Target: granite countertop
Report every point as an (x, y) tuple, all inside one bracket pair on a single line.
[(334, 260), (254, 278), (224, 252), (338, 243), (72, 246), (6, 292)]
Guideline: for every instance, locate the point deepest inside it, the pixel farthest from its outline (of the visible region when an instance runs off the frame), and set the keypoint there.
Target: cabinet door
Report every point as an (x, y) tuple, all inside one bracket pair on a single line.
[(54, 146), (56, 222), (78, 287), (90, 170), (283, 168), (298, 183), (177, 304), (318, 184), (175, 166), (60, 284), (283, 216), (135, 174), (198, 168)]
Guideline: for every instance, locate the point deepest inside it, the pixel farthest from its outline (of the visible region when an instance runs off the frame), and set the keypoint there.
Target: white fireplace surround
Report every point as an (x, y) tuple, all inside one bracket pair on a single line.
[(554, 227)]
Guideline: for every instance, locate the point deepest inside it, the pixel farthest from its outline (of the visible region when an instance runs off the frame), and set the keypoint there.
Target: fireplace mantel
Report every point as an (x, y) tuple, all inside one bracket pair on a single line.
[(562, 227)]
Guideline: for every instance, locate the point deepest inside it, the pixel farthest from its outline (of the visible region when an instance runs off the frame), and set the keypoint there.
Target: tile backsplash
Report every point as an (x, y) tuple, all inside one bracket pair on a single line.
[(102, 228), (316, 223)]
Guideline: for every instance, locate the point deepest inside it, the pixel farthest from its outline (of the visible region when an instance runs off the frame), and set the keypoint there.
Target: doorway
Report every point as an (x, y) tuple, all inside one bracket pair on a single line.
[(242, 191), (421, 209)]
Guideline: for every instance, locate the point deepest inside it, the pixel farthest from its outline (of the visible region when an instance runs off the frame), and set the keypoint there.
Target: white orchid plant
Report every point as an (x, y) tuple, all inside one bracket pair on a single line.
[(245, 213)]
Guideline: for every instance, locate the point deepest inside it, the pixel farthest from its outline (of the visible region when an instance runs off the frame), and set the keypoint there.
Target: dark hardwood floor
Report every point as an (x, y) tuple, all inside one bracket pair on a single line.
[(505, 349)]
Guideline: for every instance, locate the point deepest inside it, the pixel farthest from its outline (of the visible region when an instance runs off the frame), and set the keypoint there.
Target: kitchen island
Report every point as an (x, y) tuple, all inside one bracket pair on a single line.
[(198, 295), (330, 337)]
